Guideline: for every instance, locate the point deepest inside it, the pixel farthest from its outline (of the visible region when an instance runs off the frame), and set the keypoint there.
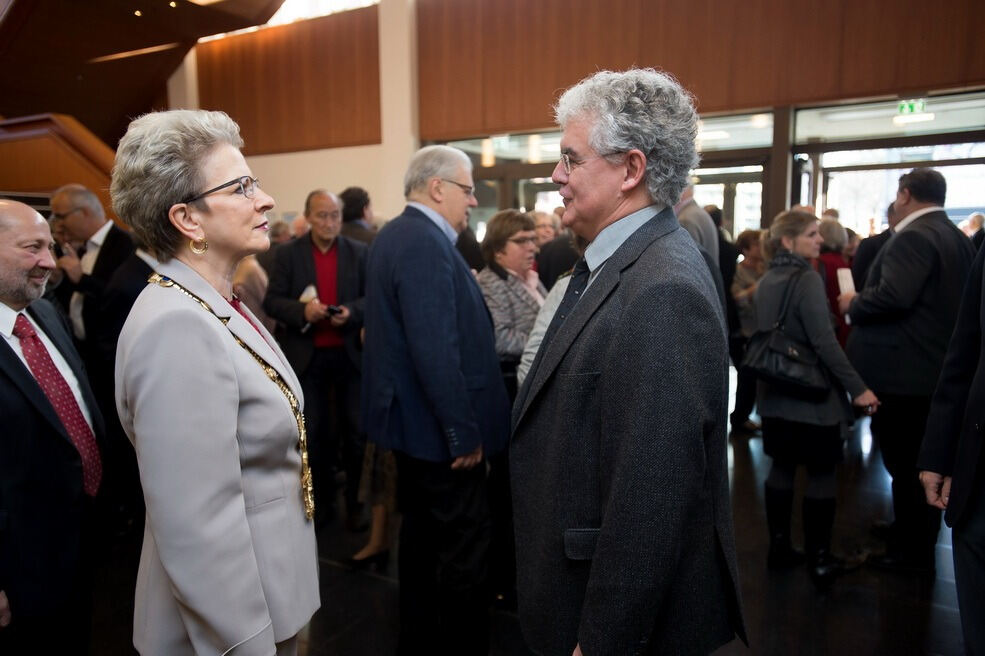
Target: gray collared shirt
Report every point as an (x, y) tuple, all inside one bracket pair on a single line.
[(437, 219), (612, 237)]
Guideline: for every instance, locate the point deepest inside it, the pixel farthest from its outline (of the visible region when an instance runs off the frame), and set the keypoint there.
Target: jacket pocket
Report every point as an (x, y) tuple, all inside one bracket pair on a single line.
[(579, 543)]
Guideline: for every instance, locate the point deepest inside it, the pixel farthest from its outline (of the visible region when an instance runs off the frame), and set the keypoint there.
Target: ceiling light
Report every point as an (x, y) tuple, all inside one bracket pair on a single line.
[(137, 13), (713, 135), (904, 119), (760, 121), (133, 53), (173, 4), (533, 149), (488, 153)]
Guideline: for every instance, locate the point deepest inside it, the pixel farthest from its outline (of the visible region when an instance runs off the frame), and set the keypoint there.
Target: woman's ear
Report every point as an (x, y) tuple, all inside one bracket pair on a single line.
[(186, 221), (787, 243)]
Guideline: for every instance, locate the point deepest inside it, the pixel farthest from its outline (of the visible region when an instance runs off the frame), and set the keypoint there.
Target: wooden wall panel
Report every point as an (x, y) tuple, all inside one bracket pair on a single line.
[(308, 85), (734, 55), (450, 59)]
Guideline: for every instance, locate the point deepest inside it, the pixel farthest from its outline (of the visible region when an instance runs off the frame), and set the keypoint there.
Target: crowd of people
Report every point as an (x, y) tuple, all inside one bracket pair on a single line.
[(547, 410)]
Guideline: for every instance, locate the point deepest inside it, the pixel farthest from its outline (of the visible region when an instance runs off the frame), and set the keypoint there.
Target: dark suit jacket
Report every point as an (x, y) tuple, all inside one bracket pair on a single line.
[(469, 247), (556, 257), (294, 269), (618, 463), (904, 315), (868, 248), (121, 290), (952, 444), (358, 232), (432, 387), (116, 248), (41, 497)]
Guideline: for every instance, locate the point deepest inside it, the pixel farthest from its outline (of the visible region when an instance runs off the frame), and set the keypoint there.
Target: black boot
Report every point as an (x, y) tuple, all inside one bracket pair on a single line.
[(779, 504), (823, 566)]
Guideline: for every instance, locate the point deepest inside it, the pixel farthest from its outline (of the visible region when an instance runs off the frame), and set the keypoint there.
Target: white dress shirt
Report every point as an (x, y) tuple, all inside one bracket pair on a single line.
[(7, 318), (93, 244)]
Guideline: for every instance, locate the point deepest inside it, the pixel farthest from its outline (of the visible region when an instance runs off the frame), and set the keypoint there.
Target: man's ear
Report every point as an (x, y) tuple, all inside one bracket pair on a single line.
[(435, 192), (186, 221), (635, 170)]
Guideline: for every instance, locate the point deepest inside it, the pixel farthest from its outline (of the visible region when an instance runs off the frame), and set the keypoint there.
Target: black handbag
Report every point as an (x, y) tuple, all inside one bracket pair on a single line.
[(780, 360)]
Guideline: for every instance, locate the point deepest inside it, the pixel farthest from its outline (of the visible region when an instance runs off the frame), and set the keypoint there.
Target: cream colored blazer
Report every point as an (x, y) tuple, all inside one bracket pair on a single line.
[(229, 562)]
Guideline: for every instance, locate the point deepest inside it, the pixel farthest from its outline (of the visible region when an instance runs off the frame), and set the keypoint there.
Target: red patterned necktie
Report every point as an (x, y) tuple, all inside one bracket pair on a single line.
[(63, 401)]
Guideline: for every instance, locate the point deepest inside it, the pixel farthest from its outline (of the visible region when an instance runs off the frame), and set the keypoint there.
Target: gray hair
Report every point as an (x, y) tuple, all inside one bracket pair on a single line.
[(80, 196), (158, 165), (834, 234), (433, 162), (639, 109)]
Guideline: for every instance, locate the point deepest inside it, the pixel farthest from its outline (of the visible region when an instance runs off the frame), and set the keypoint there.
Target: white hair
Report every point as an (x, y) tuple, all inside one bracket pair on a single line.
[(433, 162)]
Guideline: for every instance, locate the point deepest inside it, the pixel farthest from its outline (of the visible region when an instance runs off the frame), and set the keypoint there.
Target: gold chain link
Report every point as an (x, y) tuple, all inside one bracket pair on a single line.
[(307, 485)]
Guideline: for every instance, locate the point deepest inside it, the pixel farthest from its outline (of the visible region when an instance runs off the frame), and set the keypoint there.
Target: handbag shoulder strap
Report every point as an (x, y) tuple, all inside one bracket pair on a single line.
[(785, 304)]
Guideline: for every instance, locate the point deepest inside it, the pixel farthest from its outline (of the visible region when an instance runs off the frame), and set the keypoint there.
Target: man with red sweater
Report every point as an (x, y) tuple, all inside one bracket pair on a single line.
[(316, 293)]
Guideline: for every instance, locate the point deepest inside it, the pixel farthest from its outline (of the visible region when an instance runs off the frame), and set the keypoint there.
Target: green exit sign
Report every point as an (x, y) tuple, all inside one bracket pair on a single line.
[(911, 107)]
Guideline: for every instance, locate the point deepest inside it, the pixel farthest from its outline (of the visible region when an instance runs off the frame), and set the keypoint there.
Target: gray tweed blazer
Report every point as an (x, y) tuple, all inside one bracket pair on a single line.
[(512, 308), (618, 463)]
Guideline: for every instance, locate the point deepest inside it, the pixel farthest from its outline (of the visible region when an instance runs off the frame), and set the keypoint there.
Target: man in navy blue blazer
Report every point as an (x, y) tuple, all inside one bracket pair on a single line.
[(432, 392)]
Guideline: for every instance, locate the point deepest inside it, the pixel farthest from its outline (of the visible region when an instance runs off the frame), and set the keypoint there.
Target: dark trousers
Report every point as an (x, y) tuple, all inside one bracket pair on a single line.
[(444, 544), (898, 426), (66, 629), (745, 384), (331, 411), (968, 539)]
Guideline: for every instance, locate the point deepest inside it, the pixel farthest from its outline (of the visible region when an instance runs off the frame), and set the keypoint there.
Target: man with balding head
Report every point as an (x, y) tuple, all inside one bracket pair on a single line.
[(316, 293), (50, 465), (433, 393), (105, 247)]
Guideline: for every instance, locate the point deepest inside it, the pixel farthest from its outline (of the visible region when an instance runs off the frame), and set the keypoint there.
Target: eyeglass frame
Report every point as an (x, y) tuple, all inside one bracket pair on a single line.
[(469, 191), (254, 183), (566, 159), (522, 240), (60, 216)]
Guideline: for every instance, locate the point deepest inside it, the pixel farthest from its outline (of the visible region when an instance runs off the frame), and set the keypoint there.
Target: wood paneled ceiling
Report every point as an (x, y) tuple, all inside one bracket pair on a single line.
[(58, 55)]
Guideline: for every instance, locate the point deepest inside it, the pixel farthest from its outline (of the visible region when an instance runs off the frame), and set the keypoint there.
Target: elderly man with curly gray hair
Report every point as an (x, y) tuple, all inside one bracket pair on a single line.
[(618, 458)]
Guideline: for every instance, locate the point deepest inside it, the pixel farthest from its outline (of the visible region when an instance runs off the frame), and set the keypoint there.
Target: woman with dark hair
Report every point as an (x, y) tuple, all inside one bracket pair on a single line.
[(210, 403), (800, 429), (513, 292)]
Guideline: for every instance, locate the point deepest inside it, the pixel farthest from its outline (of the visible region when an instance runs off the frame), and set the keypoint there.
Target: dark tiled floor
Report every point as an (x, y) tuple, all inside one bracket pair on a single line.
[(866, 612)]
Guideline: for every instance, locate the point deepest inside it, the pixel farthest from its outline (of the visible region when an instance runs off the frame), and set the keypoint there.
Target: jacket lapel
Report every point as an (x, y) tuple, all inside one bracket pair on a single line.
[(264, 345), (605, 283)]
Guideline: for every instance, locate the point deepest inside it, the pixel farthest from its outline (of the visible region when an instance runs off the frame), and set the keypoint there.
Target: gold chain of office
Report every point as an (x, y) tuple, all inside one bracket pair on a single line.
[(307, 486)]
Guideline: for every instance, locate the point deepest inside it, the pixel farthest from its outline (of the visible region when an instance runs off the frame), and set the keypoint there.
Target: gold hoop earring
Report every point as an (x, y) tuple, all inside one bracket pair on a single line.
[(198, 250)]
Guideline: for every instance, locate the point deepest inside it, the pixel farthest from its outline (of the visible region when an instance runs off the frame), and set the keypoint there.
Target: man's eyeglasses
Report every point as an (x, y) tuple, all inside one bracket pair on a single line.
[(247, 187), (467, 189), (569, 162), (58, 216)]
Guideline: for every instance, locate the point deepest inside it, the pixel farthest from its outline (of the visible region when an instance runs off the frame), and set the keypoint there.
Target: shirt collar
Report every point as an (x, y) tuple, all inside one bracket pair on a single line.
[(614, 234), (7, 318), (99, 236), (437, 219), (913, 216)]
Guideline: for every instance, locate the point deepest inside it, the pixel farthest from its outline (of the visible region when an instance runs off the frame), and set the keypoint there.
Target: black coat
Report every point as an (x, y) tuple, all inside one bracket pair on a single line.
[(904, 315), (41, 498), (116, 248), (952, 445), (556, 257), (294, 270), (868, 248)]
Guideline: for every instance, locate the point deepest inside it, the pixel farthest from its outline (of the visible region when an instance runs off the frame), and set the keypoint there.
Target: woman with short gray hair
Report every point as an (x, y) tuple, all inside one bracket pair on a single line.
[(210, 403)]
